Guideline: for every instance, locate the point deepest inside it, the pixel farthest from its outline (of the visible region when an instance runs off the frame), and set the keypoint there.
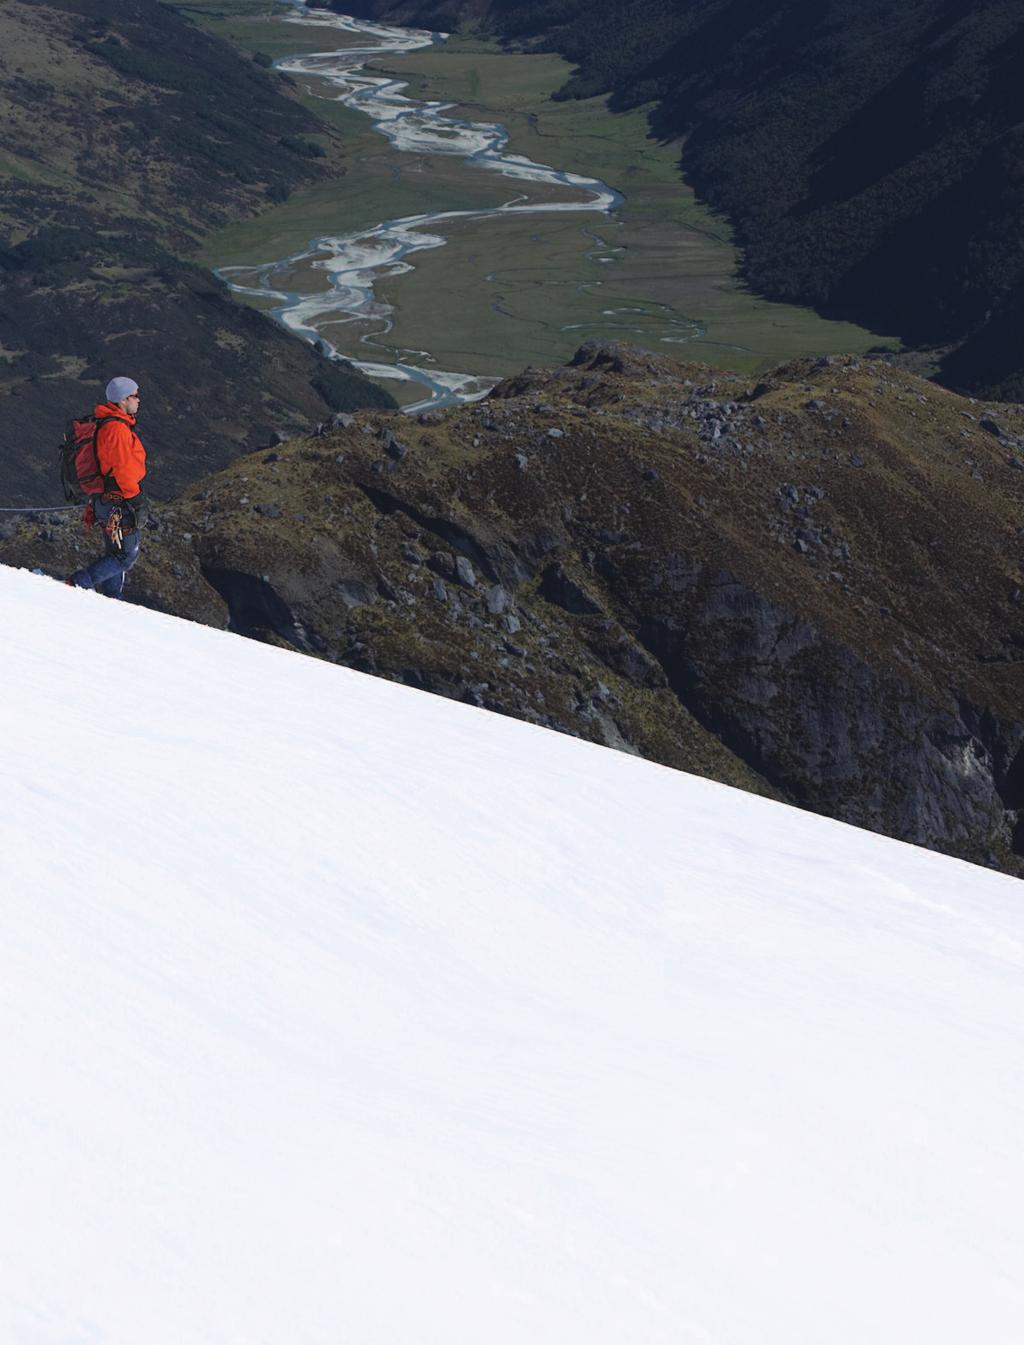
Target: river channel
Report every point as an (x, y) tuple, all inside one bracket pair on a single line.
[(352, 263)]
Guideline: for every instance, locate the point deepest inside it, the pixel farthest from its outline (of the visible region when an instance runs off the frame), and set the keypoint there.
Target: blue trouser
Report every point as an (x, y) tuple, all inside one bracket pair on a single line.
[(106, 575)]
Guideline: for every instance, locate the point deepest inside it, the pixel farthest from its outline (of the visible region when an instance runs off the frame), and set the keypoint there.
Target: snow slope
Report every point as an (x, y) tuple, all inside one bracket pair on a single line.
[(335, 1012)]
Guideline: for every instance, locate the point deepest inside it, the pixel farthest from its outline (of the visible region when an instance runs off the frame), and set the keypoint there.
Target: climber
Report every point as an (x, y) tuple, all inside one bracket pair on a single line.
[(119, 507)]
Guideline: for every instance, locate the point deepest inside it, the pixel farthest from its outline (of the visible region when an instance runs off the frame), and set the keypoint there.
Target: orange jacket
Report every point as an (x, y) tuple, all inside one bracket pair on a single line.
[(120, 453)]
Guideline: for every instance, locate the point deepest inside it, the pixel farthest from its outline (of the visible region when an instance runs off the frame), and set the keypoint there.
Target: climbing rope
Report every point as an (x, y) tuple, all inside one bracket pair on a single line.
[(38, 509)]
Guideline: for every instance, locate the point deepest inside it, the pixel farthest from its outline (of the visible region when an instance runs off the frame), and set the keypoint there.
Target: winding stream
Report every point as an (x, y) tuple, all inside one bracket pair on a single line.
[(353, 262)]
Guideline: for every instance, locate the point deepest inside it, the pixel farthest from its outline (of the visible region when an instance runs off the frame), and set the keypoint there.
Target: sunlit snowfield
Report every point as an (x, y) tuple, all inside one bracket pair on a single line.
[(337, 1013)]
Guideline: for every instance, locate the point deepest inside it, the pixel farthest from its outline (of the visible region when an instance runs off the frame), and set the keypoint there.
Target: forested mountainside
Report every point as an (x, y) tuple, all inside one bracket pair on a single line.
[(869, 155), (807, 584), (127, 134)]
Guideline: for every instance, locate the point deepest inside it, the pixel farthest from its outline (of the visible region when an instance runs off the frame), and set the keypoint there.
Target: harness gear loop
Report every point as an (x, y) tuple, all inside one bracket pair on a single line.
[(113, 529)]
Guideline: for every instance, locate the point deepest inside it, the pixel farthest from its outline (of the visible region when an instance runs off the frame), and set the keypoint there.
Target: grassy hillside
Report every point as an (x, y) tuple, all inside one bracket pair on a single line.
[(128, 135)]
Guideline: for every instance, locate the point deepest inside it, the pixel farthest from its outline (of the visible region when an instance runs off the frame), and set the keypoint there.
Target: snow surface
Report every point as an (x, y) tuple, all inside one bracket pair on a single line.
[(336, 1012)]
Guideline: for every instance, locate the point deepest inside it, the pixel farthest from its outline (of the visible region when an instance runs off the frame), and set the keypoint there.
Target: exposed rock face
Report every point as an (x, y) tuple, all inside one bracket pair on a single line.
[(830, 731), (808, 584)]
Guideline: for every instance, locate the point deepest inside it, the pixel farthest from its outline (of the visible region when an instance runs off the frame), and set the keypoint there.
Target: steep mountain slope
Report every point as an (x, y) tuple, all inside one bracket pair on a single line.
[(127, 134), (809, 585), (871, 157), (387, 1020)]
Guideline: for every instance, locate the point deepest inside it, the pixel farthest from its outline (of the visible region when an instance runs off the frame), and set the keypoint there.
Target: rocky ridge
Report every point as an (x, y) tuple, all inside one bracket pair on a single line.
[(808, 584)]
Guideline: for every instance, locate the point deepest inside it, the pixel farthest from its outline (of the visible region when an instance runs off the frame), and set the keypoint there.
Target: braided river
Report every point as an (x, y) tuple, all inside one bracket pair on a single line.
[(352, 263)]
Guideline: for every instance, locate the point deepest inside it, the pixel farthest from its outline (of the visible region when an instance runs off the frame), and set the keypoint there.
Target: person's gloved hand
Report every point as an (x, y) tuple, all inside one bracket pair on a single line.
[(140, 509)]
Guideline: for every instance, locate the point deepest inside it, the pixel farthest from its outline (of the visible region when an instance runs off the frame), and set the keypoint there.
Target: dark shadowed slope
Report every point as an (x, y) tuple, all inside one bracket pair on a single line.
[(127, 134)]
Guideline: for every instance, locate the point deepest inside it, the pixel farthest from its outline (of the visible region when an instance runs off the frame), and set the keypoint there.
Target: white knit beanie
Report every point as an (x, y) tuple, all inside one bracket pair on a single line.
[(120, 388)]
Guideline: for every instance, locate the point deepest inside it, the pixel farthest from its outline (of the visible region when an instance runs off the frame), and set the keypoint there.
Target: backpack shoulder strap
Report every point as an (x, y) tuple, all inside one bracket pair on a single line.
[(105, 420)]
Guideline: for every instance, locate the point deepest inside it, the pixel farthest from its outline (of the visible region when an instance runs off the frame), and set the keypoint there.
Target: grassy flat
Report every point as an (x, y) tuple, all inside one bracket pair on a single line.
[(666, 254), (523, 288)]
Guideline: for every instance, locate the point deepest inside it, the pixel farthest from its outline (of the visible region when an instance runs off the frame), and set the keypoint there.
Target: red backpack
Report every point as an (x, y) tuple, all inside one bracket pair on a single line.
[(80, 473)]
